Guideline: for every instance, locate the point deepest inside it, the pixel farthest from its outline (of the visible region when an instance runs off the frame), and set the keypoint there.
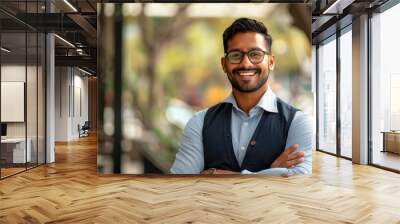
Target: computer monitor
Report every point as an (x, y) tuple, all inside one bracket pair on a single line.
[(3, 129)]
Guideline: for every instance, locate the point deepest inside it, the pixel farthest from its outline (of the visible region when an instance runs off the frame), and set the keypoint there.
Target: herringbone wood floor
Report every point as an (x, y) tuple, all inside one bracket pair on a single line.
[(70, 191)]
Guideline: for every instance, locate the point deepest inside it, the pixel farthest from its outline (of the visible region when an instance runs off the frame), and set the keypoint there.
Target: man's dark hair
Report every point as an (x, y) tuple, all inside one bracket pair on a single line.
[(243, 25)]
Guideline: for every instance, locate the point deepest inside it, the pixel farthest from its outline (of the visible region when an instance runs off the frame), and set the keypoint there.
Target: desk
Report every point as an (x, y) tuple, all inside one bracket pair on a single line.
[(16, 147), (391, 141)]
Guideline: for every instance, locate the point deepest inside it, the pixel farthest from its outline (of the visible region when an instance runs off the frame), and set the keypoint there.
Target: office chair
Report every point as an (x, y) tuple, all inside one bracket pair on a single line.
[(84, 130)]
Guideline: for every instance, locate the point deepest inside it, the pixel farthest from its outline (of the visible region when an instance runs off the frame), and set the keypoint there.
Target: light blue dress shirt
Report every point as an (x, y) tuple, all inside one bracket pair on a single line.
[(190, 157)]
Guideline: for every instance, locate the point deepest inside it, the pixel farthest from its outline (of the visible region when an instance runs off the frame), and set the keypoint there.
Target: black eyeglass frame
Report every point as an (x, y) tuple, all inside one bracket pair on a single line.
[(247, 54)]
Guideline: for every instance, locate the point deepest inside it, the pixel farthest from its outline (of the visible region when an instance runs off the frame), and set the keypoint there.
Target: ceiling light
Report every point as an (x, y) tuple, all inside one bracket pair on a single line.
[(5, 50), (84, 71), (64, 40), (70, 5), (337, 7)]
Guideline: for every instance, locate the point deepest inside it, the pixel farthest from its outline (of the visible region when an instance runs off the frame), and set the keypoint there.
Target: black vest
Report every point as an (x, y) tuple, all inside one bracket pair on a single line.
[(266, 144)]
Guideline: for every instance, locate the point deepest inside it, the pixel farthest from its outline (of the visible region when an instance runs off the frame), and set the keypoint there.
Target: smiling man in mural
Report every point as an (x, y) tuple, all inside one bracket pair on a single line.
[(252, 131)]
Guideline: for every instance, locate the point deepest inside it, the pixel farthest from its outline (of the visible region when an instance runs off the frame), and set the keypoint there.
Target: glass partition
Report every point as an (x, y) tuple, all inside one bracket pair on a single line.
[(31, 97), (14, 153), (22, 88)]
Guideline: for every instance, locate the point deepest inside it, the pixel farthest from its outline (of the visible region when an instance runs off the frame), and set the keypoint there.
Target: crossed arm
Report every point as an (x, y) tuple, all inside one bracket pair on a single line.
[(296, 159)]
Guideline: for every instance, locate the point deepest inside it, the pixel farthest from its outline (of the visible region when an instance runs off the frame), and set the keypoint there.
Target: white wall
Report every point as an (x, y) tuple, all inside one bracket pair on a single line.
[(62, 81), (71, 93)]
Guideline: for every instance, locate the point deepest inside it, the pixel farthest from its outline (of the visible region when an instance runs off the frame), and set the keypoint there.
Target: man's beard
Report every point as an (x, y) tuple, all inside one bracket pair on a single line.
[(235, 84)]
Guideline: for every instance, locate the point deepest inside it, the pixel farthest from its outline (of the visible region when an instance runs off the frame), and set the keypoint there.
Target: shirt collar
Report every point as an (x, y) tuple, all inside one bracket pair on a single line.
[(267, 101)]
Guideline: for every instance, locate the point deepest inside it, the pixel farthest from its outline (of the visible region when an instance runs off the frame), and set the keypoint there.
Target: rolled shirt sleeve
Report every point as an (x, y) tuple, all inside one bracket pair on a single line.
[(190, 156), (301, 132)]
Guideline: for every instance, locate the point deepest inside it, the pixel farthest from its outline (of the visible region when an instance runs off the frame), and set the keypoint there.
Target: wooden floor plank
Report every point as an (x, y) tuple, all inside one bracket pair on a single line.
[(70, 191)]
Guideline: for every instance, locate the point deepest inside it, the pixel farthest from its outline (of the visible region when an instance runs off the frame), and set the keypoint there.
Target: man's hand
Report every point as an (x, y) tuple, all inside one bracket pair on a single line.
[(213, 171), (289, 158)]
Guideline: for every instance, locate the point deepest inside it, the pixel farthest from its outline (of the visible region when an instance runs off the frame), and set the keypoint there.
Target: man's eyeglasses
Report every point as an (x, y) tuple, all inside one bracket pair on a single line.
[(255, 56)]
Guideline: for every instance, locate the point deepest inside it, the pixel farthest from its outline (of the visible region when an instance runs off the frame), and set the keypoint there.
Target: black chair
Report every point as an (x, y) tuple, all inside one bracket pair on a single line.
[(84, 130)]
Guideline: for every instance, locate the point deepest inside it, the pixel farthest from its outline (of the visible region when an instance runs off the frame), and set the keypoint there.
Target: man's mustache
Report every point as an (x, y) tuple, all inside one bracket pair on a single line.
[(237, 71)]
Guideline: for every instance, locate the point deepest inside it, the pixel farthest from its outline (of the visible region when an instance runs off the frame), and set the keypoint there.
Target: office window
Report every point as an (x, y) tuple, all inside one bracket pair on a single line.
[(385, 87), (346, 94), (327, 96)]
